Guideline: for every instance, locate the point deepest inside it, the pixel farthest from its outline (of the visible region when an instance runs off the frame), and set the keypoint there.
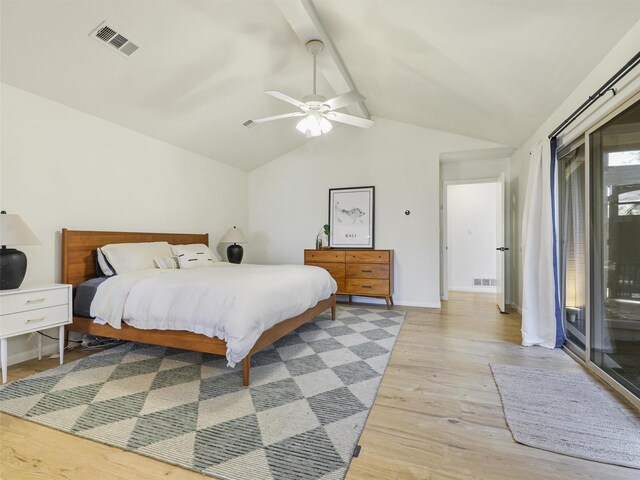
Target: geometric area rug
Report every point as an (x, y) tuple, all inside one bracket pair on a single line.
[(300, 418), (568, 413)]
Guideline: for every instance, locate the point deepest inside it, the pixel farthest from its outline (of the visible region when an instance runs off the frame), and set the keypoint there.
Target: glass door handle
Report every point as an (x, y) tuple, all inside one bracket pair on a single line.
[(502, 249)]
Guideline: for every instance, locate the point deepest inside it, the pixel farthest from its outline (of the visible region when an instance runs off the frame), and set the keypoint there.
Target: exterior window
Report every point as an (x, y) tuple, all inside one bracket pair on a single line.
[(615, 247)]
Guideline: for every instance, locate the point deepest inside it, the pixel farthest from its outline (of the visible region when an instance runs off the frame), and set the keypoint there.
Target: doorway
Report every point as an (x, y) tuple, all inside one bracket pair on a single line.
[(470, 236)]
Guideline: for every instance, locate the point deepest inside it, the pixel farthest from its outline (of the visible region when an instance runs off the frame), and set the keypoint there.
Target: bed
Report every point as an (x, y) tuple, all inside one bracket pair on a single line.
[(78, 265)]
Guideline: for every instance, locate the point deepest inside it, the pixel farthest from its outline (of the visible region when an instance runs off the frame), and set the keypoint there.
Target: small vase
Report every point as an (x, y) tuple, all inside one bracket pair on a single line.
[(324, 242)]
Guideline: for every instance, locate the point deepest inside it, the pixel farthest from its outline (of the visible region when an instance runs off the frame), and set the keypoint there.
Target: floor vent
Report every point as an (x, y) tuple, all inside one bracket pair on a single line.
[(108, 35), (484, 282)]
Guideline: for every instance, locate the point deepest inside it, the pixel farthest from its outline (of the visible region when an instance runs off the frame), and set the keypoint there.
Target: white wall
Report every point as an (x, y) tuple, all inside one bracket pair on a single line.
[(471, 232), (288, 198), (614, 61), (64, 168), (473, 169)]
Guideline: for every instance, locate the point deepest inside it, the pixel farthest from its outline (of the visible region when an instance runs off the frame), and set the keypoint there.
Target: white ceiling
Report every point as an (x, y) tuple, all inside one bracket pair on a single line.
[(488, 69)]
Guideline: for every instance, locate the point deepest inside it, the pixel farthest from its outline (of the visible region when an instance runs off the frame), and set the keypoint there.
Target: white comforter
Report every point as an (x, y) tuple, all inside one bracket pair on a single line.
[(236, 303)]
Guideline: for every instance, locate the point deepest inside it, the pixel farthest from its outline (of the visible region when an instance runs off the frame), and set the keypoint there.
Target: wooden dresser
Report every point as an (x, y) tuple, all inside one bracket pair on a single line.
[(367, 273)]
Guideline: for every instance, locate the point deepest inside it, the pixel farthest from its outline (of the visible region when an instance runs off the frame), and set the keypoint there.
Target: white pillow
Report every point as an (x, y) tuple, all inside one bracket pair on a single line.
[(166, 263), (193, 256), (129, 257)]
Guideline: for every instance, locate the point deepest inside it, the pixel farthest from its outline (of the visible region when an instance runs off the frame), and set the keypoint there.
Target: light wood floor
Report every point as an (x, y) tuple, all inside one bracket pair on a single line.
[(437, 414)]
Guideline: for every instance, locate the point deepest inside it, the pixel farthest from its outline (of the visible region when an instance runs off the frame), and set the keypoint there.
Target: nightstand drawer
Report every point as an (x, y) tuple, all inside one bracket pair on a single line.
[(371, 270), (33, 320), (24, 301), (336, 270), (366, 286), (331, 256)]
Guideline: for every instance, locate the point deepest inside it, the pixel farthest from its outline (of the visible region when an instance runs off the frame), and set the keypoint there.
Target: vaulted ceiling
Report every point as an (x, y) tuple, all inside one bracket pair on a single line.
[(489, 69)]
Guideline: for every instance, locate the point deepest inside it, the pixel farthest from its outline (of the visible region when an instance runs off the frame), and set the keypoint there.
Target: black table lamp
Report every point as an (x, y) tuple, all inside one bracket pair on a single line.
[(13, 263), (234, 236)]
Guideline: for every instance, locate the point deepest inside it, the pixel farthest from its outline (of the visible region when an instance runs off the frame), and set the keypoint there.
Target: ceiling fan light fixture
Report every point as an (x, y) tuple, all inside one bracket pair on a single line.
[(316, 109), (314, 125), (325, 125)]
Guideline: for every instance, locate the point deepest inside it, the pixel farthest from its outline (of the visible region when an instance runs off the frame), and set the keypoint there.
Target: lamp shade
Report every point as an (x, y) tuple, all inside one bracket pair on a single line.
[(13, 231), (234, 235), (314, 125)]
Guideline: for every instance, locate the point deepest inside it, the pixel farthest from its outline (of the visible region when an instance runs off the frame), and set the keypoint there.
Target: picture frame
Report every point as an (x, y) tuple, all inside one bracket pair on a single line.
[(352, 217)]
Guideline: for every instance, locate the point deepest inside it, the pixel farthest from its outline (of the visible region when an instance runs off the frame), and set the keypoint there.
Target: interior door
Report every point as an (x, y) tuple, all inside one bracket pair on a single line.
[(501, 248)]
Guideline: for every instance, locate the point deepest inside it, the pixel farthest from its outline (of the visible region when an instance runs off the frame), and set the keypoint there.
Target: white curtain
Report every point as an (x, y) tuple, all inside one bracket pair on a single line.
[(538, 298)]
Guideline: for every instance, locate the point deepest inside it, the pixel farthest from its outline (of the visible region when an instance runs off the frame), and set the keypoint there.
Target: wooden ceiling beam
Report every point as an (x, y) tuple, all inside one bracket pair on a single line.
[(304, 20)]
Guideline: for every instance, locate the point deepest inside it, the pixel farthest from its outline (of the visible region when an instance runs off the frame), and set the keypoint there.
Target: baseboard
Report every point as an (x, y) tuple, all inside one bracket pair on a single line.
[(473, 289), (49, 347), (516, 308), (409, 303), (31, 353), (397, 302)]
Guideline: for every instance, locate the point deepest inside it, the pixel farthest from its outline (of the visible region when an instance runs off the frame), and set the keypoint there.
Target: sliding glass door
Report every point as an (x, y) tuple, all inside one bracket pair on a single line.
[(571, 205), (614, 157)]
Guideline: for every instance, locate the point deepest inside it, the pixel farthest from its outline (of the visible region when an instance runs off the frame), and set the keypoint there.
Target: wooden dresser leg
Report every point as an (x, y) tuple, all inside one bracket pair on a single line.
[(386, 299), (246, 370)]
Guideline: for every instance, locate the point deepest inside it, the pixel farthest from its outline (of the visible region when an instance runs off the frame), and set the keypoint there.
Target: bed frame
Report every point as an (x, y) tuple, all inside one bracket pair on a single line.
[(78, 265)]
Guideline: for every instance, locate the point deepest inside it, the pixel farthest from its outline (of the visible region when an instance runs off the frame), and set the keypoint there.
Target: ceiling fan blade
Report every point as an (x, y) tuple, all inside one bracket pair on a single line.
[(288, 99), (349, 119), (340, 101), (253, 123)]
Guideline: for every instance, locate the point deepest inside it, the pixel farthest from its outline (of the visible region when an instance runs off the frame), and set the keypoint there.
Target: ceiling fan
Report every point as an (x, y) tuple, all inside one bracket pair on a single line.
[(316, 110)]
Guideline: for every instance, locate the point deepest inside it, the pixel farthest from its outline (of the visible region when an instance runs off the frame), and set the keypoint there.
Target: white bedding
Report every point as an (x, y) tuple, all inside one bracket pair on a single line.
[(236, 303)]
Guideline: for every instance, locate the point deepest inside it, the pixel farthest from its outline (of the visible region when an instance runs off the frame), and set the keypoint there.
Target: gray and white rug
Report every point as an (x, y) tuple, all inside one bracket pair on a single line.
[(301, 417), (568, 413)]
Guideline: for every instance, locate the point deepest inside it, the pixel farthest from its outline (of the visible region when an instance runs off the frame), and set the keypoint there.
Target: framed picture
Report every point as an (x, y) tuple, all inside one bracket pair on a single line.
[(351, 214)]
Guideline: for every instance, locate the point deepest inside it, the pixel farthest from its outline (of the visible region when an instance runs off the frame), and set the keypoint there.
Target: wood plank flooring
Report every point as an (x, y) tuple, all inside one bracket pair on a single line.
[(437, 414)]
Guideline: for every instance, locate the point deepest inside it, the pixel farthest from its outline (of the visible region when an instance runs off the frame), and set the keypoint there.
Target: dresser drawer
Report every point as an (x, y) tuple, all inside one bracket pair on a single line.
[(367, 286), (33, 320), (368, 270), (24, 301), (364, 256), (323, 256), (336, 270)]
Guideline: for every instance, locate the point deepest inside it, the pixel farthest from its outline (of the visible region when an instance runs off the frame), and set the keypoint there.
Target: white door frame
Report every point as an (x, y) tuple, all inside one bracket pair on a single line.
[(444, 254), (444, 266)]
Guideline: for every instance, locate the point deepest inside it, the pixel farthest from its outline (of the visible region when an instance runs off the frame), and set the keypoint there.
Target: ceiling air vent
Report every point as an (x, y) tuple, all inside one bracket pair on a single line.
[(109, 35)]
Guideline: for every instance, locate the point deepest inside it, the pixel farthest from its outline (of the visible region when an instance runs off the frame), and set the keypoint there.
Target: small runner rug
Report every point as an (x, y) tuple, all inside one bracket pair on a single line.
[(309, 398), (568, 413)]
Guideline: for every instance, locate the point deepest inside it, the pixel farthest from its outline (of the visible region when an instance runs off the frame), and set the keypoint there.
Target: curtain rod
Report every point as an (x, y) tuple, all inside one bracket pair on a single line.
[(609, 85)]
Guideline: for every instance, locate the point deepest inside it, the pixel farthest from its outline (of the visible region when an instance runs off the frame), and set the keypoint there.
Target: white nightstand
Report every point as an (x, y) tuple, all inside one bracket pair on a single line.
[(26, 310)]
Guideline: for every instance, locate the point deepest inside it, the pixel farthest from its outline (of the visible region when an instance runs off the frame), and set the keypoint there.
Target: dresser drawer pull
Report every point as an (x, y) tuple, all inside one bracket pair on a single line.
[(365, 271), (36, 300), (35, 320), (366, 286)]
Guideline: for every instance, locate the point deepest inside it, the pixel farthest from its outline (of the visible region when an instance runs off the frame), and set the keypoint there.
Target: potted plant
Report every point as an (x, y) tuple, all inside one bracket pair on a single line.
[(322, 239)]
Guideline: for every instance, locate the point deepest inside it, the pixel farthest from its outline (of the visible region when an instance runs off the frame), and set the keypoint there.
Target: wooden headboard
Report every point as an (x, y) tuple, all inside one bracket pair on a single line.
[(79, 248)]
